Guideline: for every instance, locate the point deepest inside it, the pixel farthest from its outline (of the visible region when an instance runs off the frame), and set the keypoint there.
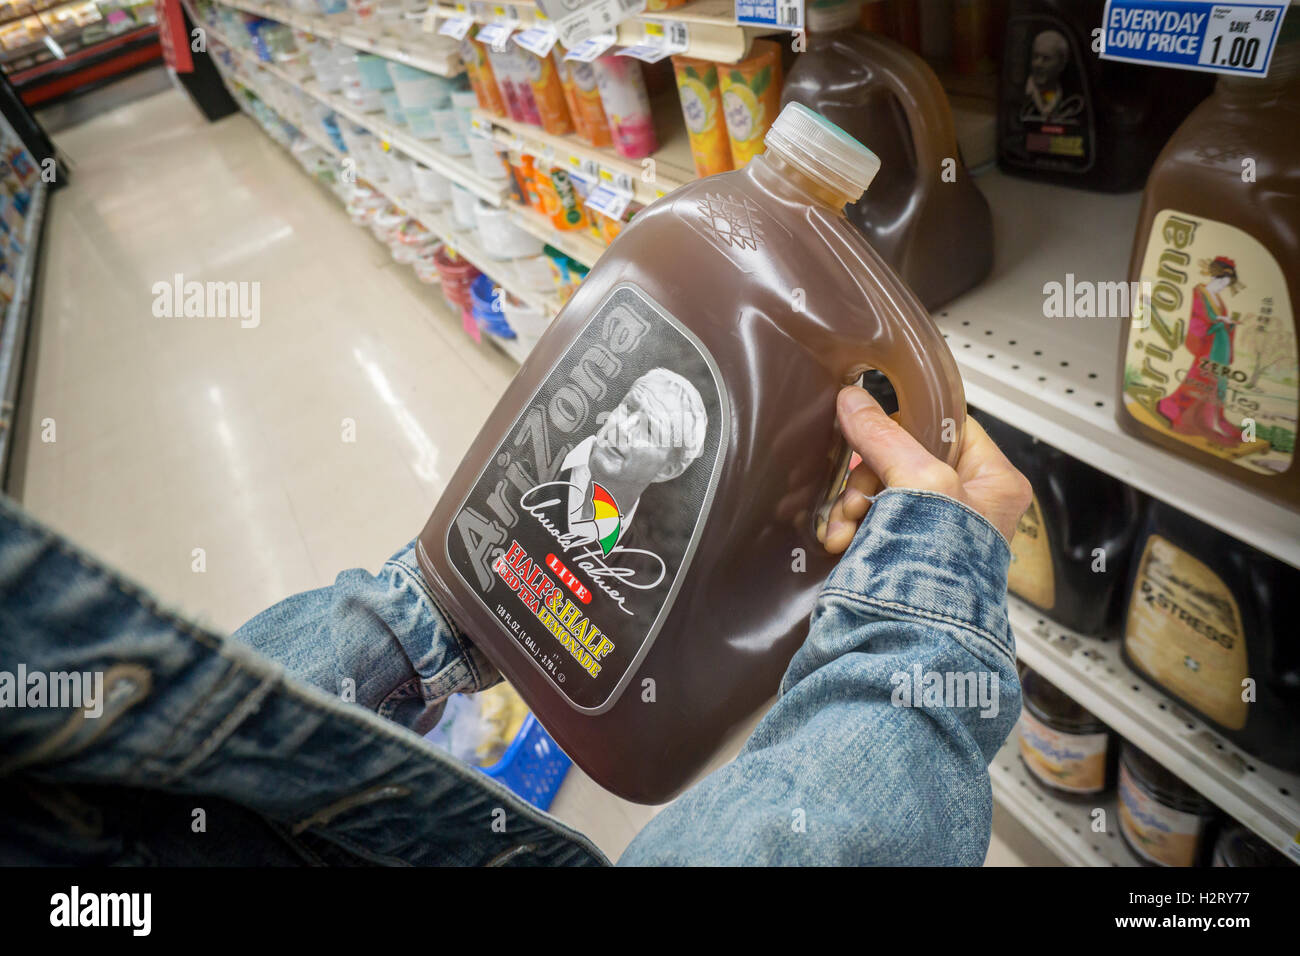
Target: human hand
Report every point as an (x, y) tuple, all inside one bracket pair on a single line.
[(891, 458)]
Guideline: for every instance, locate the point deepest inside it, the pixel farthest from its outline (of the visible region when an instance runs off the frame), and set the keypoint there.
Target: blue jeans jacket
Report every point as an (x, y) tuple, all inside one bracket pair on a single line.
[(291, 742)]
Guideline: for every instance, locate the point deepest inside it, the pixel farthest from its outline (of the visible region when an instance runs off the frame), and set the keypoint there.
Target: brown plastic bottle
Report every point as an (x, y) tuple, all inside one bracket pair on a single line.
[(1071, 551), (1207, 613), (702, 355), (1067, 116), (936, 234), (1213, 376)]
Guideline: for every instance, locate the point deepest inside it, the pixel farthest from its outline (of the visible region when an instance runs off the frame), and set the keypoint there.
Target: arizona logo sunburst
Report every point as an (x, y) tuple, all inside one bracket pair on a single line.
[(606, 517)]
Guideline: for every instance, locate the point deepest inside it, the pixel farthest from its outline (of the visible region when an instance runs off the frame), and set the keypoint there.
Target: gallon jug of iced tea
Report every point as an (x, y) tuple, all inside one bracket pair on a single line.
[(631, 539), (1210, 372), (923, 214), (1066, 116)]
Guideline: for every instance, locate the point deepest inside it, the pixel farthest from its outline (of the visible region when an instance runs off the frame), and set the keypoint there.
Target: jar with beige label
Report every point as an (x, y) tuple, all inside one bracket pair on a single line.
[(1207, 624), (1163, 821), (1064, 747)]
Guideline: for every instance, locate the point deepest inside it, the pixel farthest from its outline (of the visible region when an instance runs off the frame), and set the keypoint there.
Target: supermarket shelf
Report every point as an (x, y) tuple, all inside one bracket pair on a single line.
[(317, 137), (673, 166), (441, 225), (457, 171), (412, 46), (712, 30), (1091, 671), (465, 244), (13, 334), (577, 246), (1063, 827), (1058, 378)]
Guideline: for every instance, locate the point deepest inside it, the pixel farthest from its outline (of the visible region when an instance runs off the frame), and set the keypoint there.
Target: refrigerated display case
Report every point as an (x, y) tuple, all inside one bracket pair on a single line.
[(53, 49)]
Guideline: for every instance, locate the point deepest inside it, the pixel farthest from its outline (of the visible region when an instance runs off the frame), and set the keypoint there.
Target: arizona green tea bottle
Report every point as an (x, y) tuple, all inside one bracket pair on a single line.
[(1208, 368), (632, 537)]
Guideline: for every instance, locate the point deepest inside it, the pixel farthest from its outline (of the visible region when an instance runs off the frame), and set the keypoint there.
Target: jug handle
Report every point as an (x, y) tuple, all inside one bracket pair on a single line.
[(929, 113), (933, 413)]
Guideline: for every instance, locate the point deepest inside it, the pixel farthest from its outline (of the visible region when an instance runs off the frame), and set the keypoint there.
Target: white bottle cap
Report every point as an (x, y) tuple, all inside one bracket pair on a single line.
[(823, 150)]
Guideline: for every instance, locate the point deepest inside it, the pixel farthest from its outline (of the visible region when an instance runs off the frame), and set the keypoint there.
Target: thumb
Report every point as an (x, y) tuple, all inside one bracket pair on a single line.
[(898, 459)]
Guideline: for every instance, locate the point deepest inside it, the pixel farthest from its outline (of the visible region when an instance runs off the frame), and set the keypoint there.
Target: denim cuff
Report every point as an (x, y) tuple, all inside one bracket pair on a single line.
[(447, 661), (923, 554)]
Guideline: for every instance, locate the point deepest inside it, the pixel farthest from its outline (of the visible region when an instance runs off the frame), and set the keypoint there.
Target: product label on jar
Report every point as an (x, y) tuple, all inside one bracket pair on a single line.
[(579, 532), (1073, 762), (1031, 575), (1184, 632), (1162, 835), (1046, 98), (1211, 358)]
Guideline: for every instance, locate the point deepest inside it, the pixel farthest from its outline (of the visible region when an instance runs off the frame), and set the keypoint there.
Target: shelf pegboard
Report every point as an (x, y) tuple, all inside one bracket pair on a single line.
[(1057, 378)]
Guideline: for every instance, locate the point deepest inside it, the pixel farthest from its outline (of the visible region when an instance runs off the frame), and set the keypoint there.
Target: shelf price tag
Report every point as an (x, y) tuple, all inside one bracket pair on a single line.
[(456, 27), (1202, 35), (616, 179), (479, 128), (588, 168), (495, 35), (661, 39), (577, 20), (782, 14), (607, 200), (537, 39), (592, 47)]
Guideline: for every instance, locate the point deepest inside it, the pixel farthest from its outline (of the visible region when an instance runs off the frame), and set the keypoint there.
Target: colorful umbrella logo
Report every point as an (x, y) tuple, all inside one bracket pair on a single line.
[(606, 517)]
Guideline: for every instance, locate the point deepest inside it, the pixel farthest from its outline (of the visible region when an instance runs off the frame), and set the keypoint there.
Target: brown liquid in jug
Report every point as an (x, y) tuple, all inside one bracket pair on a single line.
[(936, 234), (1213, 375), (631, 539)]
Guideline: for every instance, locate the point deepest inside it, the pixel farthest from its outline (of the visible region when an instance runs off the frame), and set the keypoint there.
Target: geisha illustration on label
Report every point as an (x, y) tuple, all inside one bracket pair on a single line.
[(1213, 362)]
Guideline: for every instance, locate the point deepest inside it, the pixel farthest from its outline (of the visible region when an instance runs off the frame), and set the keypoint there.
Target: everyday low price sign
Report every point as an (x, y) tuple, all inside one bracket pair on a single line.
[(1193, 34)]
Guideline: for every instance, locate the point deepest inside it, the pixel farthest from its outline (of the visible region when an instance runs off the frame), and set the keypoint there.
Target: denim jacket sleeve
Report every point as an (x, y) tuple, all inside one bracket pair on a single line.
[(379, 640), (877, 749)]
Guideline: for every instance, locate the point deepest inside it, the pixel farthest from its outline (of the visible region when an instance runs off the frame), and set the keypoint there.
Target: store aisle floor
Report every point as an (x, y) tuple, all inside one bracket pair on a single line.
[(209, 461)]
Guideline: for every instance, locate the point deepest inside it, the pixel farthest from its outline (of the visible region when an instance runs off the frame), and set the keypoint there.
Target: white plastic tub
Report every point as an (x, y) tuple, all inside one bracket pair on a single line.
[(487, 159), (528, 321), (500, 237), (462, 207), (401, 172), (433, 188)]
